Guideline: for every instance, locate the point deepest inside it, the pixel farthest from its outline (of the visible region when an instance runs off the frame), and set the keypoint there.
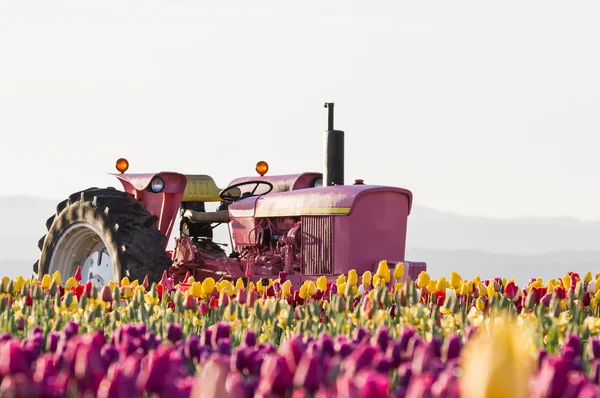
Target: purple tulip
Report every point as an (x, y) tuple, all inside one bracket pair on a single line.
[(174, 332), (407, 334), (394, 353), (344, 349), (552, 379), (5, 337), (371, 384), (452, 347), (574, 342), (446, 385), (155, 377), (420, 386), (206, 338), (224, 346), (275, 375), (382, 337), (292, 350), (220, 331), (362, 357), (382, 364), (360, 334), (326, 344), (13, 358), (594, 348), (309, 373), (249, 338), (236, 386)]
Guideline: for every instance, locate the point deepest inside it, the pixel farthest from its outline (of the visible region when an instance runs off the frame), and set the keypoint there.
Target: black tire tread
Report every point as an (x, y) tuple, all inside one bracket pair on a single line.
[(139, 242)]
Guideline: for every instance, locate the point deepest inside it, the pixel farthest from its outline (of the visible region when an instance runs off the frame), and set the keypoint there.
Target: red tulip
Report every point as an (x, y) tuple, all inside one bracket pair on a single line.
[(190, 302), (203, 308), (511, 291), (77, 275), (214, 303)]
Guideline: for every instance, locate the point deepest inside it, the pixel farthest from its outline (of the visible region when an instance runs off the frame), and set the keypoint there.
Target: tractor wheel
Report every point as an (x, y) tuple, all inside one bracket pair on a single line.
[(108, 233)]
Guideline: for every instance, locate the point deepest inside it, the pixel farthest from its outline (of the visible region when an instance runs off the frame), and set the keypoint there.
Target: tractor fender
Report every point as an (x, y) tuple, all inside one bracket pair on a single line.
[(165, 204), (174, 182)]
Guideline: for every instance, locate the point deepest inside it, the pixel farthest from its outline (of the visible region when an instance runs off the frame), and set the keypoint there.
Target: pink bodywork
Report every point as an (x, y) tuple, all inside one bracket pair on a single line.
[(326, 230), (368, 222), (163, 205)]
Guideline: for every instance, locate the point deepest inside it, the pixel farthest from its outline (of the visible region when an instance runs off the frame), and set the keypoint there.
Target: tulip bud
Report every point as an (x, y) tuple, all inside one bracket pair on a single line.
[(106, 294)]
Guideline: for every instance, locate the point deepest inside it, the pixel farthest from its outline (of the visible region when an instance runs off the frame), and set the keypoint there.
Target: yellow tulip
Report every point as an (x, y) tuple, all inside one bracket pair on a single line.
[(455, 280), (325, 305), (286, 288), (34, 281), (322, 283), (588, 277), (491, 292), (46, 280), (239, 284), (497, 365), (464, 289), (135, 283), (251, 286), (366, 278), (127, 293), (431, 286), (57, 279), (399, 271), (197, 290), (376, 280), (342, 288), (5, 281), (191, 280), (352, 277), (303, 291), (423, 279), (19, 281), (340, 279), (383, 271), (441, 284), (208, 286), (567, 281), (479, 304), (312, 288), (597, 275), (71, 282)]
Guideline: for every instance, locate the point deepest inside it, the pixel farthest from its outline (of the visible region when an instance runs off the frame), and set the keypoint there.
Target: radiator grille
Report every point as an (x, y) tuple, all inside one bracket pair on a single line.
[(317, 245)]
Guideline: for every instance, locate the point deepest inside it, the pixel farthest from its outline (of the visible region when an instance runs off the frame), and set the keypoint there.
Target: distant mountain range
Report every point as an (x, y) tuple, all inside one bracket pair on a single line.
[(519, 248)]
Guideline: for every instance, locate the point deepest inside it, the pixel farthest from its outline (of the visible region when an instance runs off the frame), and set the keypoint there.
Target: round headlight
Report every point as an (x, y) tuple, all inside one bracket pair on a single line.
[(318, 183), (157, 185)]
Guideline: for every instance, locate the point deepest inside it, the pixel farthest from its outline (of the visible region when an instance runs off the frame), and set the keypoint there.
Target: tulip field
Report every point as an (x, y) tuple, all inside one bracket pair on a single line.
[(370, 335)]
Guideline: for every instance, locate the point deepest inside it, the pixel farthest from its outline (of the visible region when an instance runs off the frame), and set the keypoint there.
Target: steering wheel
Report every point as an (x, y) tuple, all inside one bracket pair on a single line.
[(233, 193)]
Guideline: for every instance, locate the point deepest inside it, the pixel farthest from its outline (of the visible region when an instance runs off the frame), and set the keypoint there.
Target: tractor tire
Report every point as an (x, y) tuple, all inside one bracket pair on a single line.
[(115, 222)]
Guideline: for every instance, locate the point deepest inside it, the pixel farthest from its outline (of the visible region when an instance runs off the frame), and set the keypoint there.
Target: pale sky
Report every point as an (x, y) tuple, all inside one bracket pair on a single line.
[(478, 108)]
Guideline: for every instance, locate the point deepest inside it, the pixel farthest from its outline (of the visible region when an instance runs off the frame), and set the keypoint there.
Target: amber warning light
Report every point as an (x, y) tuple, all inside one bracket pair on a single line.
[(122, 165), (262, 167)]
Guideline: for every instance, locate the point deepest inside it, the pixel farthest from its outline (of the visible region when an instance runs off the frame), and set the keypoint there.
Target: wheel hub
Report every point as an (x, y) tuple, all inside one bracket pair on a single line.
[(81, 246)]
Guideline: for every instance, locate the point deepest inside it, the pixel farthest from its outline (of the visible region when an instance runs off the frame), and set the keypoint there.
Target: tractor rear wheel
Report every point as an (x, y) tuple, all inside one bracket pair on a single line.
[(108, 233)]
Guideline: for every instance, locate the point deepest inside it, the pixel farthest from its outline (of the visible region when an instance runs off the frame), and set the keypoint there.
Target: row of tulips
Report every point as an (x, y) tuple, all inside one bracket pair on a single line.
[(362, 335)]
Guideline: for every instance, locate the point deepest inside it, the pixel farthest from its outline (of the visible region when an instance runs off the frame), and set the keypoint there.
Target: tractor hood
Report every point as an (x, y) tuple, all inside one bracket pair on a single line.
[(284, 182), (335, 200)]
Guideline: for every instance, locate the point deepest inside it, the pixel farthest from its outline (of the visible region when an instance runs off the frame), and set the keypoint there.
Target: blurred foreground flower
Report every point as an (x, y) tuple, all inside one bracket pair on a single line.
[(495, 363)]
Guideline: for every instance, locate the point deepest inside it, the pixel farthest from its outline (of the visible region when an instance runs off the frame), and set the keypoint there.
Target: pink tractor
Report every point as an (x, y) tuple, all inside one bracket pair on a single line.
[(306, 225)]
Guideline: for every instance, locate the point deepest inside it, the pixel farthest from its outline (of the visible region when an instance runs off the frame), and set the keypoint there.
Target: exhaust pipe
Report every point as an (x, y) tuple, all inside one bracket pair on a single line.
[(333, 173)]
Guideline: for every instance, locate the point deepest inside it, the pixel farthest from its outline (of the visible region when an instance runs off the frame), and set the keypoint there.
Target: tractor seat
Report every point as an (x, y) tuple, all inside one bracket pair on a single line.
[(207, 217)]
